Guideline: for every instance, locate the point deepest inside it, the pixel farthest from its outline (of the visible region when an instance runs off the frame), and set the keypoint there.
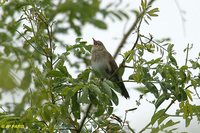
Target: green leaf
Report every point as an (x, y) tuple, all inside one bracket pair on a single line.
[(55, 73), (64, 71), (75, 107), (100, 24), (123, 14), (78, 39), (173, 60), (110, 110), (116, 15), (115, 98), (144, 4), (84, 75), (50, 111), (100, 110), (7, 80), (157, 116), (28, 115), (152, 88), (142, 90), (26, 81), (153, 12), (162, 118), (45, 112), (160, 100), (169, 124), (113, 85), (188, 92), (121, 71), (183, 95), (129, 54), (27, 28), (106, 89), (183, 68), (187, 122), (95, 89), (154, 61), (84, 98)]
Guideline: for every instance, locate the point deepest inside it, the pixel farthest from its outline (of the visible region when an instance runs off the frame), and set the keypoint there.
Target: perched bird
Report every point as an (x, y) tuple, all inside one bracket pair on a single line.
[(104, 64)]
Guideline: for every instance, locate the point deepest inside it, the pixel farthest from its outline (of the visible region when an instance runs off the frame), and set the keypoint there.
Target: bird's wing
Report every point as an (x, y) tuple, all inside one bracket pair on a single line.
[(112, 65)]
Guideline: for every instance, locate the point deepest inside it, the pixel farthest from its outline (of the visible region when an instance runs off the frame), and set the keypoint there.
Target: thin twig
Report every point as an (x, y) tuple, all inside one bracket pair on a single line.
[(124, 60), (30, 43), (151, 40), (123, 123), (181, 12), (104, 130), (85, 117), (187, 54)]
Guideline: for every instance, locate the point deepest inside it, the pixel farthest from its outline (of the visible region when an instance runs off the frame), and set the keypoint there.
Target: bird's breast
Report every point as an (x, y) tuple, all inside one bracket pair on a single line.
[(100, 64)]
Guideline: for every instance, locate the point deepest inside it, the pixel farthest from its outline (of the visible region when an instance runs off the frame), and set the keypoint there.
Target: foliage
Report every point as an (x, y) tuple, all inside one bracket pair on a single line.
[(56, 100)]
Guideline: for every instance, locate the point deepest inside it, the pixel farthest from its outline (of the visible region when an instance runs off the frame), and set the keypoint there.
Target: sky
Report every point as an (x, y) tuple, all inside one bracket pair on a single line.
[(179, 20)]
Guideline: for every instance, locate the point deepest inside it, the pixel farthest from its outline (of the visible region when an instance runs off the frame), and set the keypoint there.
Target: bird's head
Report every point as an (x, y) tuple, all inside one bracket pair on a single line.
[(98, 45)]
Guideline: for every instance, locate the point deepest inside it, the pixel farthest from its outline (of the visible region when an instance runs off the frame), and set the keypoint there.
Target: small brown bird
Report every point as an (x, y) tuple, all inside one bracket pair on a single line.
[(103, 63)]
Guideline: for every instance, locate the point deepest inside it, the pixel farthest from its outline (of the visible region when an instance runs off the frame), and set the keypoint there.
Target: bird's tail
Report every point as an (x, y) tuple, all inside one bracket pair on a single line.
[(124, 92)]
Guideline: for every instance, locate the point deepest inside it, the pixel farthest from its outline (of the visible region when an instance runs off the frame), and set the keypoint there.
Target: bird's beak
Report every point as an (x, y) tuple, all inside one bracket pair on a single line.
[(94, 41)]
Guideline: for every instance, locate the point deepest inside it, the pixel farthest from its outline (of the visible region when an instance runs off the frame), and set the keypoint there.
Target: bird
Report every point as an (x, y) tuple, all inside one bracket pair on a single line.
[(104, 64)]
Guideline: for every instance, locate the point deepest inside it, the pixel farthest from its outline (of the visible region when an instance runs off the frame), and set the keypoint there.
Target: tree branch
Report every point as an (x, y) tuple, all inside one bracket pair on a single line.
[(133, 27), (85, 117)]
